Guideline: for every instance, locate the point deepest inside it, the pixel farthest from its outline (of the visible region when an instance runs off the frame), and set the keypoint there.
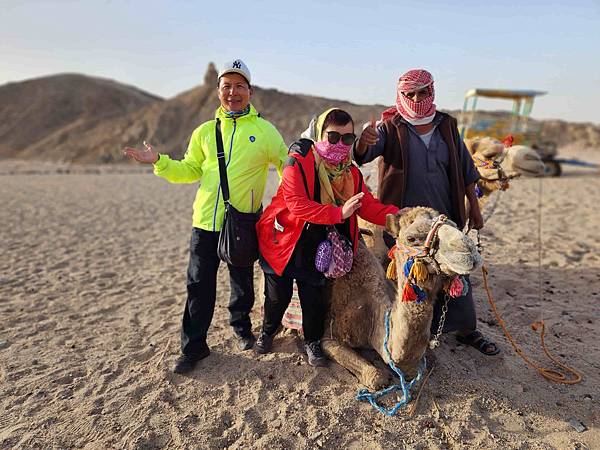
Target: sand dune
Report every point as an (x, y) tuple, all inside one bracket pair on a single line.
[(92, 286)]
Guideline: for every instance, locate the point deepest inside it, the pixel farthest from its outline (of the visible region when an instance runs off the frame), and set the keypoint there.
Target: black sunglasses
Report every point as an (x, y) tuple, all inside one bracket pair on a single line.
[(333, 137)]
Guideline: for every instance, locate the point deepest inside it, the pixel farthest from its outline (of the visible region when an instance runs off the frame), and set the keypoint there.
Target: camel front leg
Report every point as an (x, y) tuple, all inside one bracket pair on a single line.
[(367, 373)]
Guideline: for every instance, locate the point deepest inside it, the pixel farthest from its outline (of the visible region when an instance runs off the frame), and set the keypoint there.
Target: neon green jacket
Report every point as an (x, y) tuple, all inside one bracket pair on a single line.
[(250, 144)]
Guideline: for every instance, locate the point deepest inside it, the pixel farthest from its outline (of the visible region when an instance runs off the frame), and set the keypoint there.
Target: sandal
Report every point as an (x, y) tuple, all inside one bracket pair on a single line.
[(476, 340)]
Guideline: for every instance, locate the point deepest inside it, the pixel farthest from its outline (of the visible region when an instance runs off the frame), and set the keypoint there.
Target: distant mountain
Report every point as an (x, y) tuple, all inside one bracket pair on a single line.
[(53, 110), (75, 118)]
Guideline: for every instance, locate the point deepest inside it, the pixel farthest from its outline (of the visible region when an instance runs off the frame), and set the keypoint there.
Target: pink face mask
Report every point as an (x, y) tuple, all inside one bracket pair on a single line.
[(332, 153)]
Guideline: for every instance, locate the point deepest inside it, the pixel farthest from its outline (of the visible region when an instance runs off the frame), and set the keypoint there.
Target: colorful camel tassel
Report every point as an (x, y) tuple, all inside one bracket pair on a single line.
[(407, 267), (408, 293), (421, 296), (415, 269), (391, 273), (413, 293), (456, 287), (418, 272)]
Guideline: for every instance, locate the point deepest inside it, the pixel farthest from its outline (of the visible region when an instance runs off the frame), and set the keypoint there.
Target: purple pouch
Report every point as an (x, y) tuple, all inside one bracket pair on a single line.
[(342, 255), (323, 256)]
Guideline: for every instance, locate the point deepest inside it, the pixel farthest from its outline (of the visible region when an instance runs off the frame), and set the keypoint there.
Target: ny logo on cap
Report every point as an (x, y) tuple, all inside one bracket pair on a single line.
[(237, 64)]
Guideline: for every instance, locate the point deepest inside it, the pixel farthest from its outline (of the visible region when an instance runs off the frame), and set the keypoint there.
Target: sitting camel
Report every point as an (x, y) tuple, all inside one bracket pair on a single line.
[(360, 301), (498, 164)]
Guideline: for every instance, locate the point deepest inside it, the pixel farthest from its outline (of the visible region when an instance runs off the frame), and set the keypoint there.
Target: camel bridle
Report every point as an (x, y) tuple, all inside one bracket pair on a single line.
[(496, 164), (430, 247)]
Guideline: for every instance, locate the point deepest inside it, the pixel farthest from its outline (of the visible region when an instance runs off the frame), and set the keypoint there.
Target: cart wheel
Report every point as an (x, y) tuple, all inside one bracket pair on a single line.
[(552, 168)]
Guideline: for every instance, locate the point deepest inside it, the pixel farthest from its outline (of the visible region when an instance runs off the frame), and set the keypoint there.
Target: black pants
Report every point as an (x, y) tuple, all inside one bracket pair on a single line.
[(202, 293), (278, 293), (460, 316)]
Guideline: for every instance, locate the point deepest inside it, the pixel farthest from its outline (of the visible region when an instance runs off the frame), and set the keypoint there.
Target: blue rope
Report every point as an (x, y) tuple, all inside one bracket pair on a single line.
[(371, 397)]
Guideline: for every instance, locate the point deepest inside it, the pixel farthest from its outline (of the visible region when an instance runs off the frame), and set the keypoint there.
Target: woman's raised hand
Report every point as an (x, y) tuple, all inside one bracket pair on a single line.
[(147, 156), (352, 205)]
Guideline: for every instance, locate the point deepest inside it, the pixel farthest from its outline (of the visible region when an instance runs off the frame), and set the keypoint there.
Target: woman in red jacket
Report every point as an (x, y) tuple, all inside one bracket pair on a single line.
[(320, 187)]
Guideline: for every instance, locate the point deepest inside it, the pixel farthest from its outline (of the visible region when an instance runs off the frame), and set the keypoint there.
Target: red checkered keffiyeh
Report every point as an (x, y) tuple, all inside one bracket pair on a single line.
[(419, 113)]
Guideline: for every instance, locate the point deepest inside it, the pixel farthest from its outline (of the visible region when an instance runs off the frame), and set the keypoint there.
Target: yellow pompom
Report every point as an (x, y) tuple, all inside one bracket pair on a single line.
[(418, 271), (391, 272)]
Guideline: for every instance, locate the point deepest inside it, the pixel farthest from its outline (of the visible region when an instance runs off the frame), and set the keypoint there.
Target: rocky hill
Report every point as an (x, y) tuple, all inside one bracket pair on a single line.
[(75, 118), (40, 118)]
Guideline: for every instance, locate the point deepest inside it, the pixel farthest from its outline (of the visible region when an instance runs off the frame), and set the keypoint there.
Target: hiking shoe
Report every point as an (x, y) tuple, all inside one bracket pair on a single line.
[(186, 363), (316, 358), (264, 344), (245, 341)]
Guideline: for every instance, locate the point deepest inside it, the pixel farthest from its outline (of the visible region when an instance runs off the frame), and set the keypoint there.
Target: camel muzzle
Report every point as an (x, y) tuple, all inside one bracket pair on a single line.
[(456, 254)]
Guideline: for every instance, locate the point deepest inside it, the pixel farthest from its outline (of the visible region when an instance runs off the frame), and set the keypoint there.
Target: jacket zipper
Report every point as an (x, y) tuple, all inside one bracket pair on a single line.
[(219, 189)]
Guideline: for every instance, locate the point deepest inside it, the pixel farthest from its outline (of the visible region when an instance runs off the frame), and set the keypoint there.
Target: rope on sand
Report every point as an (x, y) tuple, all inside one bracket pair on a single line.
[(550, 374), (404, 386)]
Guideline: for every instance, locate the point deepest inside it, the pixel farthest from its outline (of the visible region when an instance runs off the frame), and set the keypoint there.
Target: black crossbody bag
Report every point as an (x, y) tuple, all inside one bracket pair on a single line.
[(238, 241)]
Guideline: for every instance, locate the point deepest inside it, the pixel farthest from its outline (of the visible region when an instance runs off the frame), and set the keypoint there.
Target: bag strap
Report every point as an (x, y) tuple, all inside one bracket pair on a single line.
[(360, 181), (221, 159), (303, 178), (317, 187)]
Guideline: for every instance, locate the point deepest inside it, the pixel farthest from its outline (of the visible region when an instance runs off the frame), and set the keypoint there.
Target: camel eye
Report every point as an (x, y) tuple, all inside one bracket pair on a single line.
[(411, 239)]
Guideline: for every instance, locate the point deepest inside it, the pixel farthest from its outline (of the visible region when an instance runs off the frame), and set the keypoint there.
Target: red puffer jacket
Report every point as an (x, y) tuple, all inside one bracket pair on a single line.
[(283, 220)]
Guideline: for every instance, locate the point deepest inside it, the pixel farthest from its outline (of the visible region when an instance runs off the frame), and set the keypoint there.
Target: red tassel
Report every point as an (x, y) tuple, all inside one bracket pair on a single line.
[(391, 252), (408, 293), (456, 287)]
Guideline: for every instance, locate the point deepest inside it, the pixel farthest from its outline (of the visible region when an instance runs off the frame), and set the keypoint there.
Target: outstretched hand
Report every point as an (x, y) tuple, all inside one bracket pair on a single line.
[(352, 205), (147, 156)]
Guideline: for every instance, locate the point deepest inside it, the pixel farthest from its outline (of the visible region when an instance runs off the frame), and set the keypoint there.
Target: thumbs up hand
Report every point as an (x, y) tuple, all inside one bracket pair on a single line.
[(369, 133)]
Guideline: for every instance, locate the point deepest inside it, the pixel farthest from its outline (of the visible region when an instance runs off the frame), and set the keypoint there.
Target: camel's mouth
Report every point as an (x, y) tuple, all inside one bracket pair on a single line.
[(457, 254), (492, 175), (458, 263), (531, 168)]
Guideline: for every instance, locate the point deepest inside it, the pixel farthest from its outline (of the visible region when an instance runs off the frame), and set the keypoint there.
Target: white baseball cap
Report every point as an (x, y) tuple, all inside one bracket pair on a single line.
[(235, 66)]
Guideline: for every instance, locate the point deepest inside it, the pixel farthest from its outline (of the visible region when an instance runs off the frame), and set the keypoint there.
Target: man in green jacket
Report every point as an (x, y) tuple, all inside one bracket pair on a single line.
[(251, 144)]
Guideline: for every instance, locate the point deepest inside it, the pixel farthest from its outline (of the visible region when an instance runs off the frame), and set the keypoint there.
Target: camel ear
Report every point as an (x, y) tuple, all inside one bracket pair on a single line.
[(392, 225)]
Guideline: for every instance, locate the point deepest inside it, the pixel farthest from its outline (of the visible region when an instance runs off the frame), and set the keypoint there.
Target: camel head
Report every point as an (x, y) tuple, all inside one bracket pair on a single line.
[(451, 252), (488, 155), (440, 252), (495, 162), (522, 160)]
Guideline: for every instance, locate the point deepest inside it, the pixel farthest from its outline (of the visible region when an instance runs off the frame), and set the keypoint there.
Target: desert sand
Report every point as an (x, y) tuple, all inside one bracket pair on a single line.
[(92, 287)]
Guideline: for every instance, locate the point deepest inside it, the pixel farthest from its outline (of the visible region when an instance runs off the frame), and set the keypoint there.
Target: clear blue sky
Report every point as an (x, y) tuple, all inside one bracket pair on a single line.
[(347, 50)]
